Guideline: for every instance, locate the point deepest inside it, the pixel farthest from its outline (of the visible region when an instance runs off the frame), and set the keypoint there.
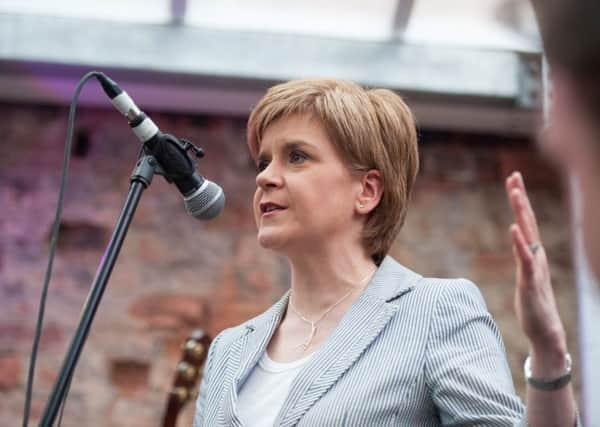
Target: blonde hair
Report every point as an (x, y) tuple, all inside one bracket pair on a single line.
[(370, 129)]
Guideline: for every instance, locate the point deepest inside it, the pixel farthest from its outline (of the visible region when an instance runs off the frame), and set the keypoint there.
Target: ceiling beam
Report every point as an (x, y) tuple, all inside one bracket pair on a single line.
[(401, 17), (182, 68), (178, 11)]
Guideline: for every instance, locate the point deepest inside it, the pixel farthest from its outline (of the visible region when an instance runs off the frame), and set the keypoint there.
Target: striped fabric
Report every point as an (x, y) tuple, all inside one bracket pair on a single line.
[(411, 351)]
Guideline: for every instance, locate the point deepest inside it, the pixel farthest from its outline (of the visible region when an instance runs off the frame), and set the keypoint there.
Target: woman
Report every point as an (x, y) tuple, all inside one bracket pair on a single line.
[(359, 340)]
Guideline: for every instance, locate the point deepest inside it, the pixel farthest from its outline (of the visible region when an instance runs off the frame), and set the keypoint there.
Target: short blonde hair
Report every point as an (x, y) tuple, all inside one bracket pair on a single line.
[(370, 129)]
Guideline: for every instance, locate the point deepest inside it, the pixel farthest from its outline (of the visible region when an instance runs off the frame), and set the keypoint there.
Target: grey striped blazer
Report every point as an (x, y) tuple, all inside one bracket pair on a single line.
[(411, 351)]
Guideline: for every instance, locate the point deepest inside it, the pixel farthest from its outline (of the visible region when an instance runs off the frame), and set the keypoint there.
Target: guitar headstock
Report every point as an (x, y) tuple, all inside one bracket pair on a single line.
[(187, 374)]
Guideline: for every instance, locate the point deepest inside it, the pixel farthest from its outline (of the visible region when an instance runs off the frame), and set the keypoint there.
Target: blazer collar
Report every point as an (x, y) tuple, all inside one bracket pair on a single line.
[(391, 280), (358, 328), (244, 354)]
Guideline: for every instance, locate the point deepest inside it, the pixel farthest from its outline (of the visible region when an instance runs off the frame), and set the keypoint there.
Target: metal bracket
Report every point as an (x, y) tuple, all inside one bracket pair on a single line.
[(531, 88)]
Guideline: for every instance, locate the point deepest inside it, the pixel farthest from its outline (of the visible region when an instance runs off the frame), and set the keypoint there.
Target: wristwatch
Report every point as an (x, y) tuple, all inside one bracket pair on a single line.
[(549, 384)]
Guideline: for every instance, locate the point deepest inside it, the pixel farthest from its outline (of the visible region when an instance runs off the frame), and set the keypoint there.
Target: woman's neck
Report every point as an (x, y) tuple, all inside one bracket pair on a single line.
[(320, 278)]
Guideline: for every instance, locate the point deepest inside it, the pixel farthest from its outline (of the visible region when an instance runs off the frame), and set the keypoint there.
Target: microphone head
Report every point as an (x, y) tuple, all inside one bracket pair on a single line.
[(206, 202)]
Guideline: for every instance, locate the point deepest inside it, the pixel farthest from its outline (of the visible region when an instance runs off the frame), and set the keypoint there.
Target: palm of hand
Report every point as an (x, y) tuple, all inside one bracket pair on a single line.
[(535, 303), (534, 298)]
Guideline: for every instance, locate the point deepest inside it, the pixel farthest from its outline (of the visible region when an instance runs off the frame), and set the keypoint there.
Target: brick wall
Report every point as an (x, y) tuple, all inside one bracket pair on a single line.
[(175, 274)]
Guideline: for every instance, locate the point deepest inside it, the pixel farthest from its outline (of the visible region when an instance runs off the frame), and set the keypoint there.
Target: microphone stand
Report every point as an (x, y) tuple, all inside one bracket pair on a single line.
[(140, 179)]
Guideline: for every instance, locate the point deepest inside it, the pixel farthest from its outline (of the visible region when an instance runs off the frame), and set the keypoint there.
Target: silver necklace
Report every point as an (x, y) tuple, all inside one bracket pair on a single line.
[(313, 323)]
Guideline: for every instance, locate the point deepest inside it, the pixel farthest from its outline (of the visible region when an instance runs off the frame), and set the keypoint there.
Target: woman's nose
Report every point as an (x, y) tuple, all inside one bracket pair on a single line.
[(269, 177)]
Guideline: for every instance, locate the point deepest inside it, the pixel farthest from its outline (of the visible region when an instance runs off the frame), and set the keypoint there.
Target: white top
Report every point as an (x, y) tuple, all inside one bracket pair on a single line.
[(262, 395)]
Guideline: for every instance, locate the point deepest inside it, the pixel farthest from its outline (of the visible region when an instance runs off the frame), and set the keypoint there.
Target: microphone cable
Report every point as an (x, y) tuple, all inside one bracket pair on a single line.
[(53, 242)]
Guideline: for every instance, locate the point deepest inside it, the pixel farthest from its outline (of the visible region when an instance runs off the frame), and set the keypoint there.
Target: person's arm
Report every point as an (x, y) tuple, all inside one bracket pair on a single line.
[(538, 315), (465, 363)]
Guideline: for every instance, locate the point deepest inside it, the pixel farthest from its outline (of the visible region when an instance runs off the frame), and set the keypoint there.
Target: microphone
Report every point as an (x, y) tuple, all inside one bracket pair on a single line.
[(203, 199)]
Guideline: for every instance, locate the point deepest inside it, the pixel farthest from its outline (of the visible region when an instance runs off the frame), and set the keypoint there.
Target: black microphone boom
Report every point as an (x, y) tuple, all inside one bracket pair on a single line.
[(203, 199)]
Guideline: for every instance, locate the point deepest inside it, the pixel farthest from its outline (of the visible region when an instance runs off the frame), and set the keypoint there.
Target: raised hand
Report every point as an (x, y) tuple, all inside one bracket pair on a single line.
[(535, 304)]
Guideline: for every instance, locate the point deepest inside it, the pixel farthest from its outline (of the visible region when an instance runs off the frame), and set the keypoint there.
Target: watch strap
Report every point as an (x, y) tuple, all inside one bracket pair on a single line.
[(552, 383)]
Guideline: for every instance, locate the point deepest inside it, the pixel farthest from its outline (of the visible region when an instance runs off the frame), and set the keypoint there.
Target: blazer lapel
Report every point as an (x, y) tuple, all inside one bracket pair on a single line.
[(360, 327), (245, 353)]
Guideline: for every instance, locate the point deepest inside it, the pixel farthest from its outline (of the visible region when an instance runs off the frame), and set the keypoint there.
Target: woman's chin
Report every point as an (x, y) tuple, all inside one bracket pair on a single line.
[(269, 240)]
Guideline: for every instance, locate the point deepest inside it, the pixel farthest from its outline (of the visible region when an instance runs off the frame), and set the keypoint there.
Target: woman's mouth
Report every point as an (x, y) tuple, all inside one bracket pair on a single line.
[(270, 208)]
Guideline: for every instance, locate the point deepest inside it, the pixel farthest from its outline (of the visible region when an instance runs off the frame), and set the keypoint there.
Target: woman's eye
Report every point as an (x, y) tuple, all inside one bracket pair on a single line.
[(262, 165), (297, 157)]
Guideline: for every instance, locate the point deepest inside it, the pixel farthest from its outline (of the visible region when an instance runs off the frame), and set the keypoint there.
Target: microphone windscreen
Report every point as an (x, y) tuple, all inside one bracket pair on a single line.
[(207, 202)]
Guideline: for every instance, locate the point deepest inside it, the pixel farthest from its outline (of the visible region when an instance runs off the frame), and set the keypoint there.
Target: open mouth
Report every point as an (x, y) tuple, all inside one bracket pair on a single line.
[(269, 207)]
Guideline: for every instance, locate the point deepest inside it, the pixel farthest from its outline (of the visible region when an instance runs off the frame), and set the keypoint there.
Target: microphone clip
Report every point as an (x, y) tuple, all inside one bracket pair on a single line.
[(189, 146), (174, 162)]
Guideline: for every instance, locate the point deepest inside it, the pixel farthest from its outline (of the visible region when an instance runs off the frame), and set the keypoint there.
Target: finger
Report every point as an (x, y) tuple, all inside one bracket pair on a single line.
[(510, 183), (525, 257), (520, 183), (516, 257), (522, 216), (522, 207), (519, 283)]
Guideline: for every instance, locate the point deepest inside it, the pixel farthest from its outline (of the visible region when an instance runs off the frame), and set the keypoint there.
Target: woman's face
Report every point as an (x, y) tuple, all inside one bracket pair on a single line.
[(305, 193)]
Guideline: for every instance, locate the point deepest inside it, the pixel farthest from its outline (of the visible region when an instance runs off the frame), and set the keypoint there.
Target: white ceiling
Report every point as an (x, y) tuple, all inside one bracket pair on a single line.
[(464, 64), (496, 24)]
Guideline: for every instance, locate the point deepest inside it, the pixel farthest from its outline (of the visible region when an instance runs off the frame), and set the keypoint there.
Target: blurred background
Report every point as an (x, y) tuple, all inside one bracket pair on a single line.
[(471, 70)]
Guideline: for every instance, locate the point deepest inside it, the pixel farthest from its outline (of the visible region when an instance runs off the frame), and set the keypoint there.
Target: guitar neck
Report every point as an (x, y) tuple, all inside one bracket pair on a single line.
[(187, 376)]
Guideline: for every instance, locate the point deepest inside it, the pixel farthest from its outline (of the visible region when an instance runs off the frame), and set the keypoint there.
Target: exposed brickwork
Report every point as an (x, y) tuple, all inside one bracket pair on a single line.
[(10, 371), (129, 376), (169, 311), (175, 273)]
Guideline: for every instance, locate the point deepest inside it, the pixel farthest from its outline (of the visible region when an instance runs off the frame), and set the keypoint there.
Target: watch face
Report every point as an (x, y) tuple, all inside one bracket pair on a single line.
[(569, 362), (527, 367), (568, 366)]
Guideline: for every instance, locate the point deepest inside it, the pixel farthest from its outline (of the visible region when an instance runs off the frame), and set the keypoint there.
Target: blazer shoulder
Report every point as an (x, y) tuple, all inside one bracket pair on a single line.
[(457, 289)]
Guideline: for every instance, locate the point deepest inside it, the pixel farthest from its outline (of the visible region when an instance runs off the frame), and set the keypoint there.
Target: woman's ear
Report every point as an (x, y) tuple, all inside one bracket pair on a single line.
[(370, 192)]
